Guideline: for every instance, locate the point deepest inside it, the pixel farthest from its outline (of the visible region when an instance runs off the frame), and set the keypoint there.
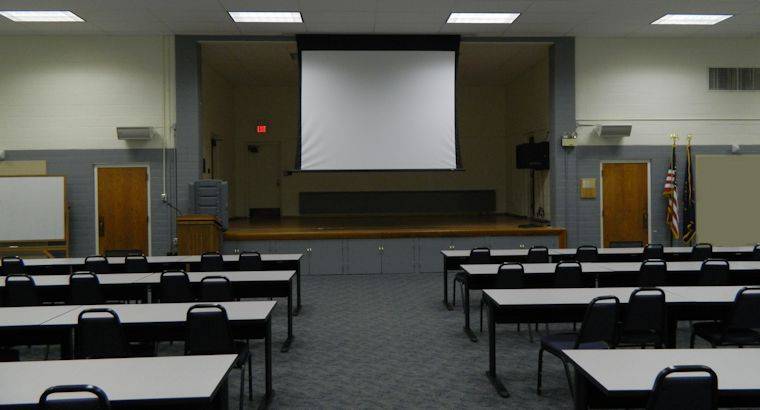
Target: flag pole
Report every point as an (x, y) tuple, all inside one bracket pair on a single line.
[(675, 138)]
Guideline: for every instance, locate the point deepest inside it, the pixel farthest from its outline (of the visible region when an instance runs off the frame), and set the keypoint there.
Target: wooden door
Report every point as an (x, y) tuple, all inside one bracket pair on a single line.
[(263, 175), (122, 208), (625, 199)]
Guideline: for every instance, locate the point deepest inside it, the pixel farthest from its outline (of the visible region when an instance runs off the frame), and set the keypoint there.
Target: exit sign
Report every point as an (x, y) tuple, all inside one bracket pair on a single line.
[(261, 129)]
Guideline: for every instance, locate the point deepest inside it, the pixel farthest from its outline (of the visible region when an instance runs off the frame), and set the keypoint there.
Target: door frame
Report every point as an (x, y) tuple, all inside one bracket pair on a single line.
[(147, 186), (270, 143), (601, 194)]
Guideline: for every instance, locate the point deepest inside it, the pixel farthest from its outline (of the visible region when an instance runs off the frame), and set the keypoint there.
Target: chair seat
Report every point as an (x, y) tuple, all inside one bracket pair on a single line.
[(459, 277), (242, 349), (639, 337), (566, 341), (713, 333)]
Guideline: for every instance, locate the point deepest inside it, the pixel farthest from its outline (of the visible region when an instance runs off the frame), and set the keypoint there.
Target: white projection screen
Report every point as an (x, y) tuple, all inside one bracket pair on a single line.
[(378, 110)]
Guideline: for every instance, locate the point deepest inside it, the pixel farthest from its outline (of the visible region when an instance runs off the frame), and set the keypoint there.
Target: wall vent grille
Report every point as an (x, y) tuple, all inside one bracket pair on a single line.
[(735, 78)]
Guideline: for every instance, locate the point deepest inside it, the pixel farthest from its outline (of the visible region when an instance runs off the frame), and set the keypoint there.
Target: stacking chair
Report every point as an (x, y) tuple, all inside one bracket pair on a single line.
[(97, 401), (175, 287), (738, 329), (212, 262), (714, 272), (538, 254), (756, 252), (598, 331), (568, 275), (250, 261), (653, 272), (677, 388), (215, 289), (654, 251), (97, 264), (701, 251), (480, 255), (20, 290), (99, 334), (587, 253), (84, 289), (136, 264), (11, 265), (509, 276), (208, 332), (645, 323)]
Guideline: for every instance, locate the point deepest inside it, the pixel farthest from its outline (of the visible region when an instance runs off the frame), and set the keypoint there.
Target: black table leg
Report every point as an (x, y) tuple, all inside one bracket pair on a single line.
[(672, 332), (581, 391), (269, 392), (446, 284), (491, 373), (466, 300), (286, 345), (298, 290)]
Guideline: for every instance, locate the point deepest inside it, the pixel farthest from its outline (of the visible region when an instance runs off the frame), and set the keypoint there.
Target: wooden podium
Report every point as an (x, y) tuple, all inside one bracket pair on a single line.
[(197, 234)]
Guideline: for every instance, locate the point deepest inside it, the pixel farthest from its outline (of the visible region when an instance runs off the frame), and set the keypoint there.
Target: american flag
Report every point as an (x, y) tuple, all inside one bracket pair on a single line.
[(671, 193)]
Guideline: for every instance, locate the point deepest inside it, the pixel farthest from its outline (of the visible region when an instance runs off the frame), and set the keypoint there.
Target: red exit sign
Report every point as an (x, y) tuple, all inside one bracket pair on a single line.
[(261, 129)]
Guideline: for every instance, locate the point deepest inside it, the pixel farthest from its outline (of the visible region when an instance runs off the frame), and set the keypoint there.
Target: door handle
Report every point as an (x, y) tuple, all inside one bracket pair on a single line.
[(101, 227)]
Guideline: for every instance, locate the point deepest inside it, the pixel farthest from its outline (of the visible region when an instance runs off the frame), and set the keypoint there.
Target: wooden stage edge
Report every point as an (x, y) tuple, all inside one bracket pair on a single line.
[(368, 227)]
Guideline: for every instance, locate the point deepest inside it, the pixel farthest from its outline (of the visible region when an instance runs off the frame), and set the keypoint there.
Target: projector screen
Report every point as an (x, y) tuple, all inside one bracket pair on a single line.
[(378, 110)]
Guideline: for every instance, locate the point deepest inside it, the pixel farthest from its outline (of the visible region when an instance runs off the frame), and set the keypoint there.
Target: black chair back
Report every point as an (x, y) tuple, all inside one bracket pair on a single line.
[(98, 401), (756, 252), (479, 255), (744, 312), (20, 290), (653, 272), (647, 313), (250, 261), (654, 251), (714, 272), (701, 251), (97, 264), (587, 253), (600, 321), (99, 335), (215, 289), (84, 289), (120, 253), (568, 275), (175, 287), (11, 265), (538, 254), (510, 276), (208, 330), (212, 262), (677, 388), (136, 264)]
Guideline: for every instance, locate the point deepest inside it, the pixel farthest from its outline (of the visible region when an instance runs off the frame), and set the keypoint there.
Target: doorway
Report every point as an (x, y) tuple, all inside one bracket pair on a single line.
[(625, 203), (122, 208), (262, 166)]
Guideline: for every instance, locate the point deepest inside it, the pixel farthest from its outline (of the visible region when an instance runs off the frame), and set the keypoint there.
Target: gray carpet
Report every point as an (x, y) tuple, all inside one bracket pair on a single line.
[(386, 341)]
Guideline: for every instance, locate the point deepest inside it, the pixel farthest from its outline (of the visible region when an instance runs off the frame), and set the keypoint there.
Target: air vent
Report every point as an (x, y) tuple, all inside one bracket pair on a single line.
[(735, 78)]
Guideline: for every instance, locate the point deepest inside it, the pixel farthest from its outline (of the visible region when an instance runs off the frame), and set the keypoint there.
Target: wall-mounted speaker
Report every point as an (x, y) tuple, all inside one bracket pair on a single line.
[(134, 133), (613, 131)]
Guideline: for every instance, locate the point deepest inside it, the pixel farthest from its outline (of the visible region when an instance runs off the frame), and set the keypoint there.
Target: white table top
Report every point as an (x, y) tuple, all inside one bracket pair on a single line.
[(31, 315), (555, 296), (266, 257), (634, 370), (233, 276), (144, 378), (680, 266), (169, 312), (493, 268), (462, 253), (104, 279), (702, 294)]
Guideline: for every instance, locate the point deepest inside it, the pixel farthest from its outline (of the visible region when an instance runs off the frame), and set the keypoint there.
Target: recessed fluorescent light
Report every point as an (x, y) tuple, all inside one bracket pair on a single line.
[(692, 19), (266, 16), (48, 16), (482, 18)]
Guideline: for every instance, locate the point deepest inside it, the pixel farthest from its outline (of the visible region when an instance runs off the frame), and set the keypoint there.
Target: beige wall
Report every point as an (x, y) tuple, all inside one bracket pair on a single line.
[(527, 115), (218, 119)]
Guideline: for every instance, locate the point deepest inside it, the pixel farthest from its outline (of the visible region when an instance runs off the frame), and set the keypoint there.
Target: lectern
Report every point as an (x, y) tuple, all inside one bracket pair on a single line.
[(197, 234)]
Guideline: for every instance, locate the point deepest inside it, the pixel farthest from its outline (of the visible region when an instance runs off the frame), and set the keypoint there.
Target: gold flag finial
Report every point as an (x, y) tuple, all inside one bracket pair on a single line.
[(689, 138), (674, 137)]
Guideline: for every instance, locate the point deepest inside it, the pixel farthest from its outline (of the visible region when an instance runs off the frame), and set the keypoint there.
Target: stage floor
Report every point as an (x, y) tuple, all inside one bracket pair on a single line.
[(348, 227)]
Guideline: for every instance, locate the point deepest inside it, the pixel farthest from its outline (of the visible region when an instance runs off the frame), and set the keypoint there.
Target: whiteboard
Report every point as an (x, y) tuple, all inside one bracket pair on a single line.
[(727, 199), (32, 208)]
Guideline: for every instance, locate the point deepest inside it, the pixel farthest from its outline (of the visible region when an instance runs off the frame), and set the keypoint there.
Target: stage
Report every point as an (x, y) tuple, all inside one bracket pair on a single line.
[(367, 227)]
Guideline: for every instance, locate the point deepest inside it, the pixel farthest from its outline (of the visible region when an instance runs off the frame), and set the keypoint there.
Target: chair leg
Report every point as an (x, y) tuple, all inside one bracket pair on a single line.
[(454, 296), (242, 386), (569, 380), (250, 377), (530, 333), (691, 340), (518, 327), (540, 367), (481, 315)]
